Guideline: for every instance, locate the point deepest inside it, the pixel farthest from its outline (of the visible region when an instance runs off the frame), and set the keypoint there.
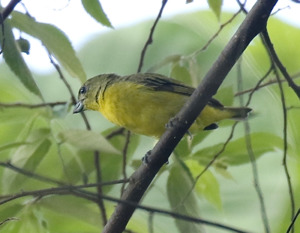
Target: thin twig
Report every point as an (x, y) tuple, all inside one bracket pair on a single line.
[(285, 147), (196, 179), (270, 82), (174, 214), (150, 222), (278, 63), (217, 33), (31, 106), (258, 85), (31, 174), (251, 152), (70, 189), (62, 77), (124, 156), (255, 177), (150, 38), (66, 190), (227, 140), (171, 58), (273, 55), (291, 226), (63, 190), (7, 220), (57, 182), (280, 9), (116, 132), (97, 161), (275, 61), (8, 9), (96, 153)]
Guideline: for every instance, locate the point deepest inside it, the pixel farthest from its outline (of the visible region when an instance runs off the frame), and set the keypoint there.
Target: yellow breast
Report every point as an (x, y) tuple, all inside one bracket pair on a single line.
[(138, 108)]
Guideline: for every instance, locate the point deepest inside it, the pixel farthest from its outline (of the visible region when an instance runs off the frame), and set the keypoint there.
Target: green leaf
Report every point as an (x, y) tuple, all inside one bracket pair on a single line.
[(94, 8), (178, 185), (181, 73), (15, 61), (236, 151), (8, 211), (30, 219), (27, 157), (55, 41), (87, 140), (207, 185), (215, 6), (183, 149), (199, 137), (71, 213)]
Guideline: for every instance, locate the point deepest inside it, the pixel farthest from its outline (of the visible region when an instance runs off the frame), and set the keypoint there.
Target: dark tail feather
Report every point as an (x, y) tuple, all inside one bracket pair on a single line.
[(239, 113)]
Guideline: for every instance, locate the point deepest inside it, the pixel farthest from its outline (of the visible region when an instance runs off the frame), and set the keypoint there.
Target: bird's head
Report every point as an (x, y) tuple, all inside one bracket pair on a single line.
[(90, 92)]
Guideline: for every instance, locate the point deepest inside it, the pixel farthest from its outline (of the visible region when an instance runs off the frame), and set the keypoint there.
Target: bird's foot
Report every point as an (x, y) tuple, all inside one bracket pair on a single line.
[(189, 134), (172, 122), (145, 159)]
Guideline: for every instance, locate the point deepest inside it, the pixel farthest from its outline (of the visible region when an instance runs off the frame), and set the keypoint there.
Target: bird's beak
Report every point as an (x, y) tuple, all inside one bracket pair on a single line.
[(79, 107)]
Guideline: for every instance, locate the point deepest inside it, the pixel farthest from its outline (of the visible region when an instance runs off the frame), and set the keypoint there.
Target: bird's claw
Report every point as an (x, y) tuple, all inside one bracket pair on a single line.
[(145, 159)]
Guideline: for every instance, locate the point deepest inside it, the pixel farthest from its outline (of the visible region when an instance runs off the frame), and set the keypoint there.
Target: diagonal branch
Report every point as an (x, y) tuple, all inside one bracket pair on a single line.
[(253, 24)]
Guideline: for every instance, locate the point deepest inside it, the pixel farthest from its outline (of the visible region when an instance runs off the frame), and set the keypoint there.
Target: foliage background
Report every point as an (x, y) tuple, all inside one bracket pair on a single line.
[(54, 143)]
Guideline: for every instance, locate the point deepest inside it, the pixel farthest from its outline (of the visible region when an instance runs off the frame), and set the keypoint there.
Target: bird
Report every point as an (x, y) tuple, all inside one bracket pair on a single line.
[(144, 103)]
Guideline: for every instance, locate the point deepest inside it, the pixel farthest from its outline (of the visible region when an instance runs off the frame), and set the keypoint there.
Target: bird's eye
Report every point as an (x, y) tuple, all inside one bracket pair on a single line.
[(82, 90)]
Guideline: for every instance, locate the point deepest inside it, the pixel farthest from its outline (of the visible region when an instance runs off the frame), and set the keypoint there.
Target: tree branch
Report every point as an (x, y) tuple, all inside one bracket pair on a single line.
[(253, 24)]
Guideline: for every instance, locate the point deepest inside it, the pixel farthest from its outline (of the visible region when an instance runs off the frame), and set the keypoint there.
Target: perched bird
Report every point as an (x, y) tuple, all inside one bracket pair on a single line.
[(144, 103)]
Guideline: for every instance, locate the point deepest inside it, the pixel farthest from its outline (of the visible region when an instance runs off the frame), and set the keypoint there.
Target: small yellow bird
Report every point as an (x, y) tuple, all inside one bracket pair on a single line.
[(144, 103)]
